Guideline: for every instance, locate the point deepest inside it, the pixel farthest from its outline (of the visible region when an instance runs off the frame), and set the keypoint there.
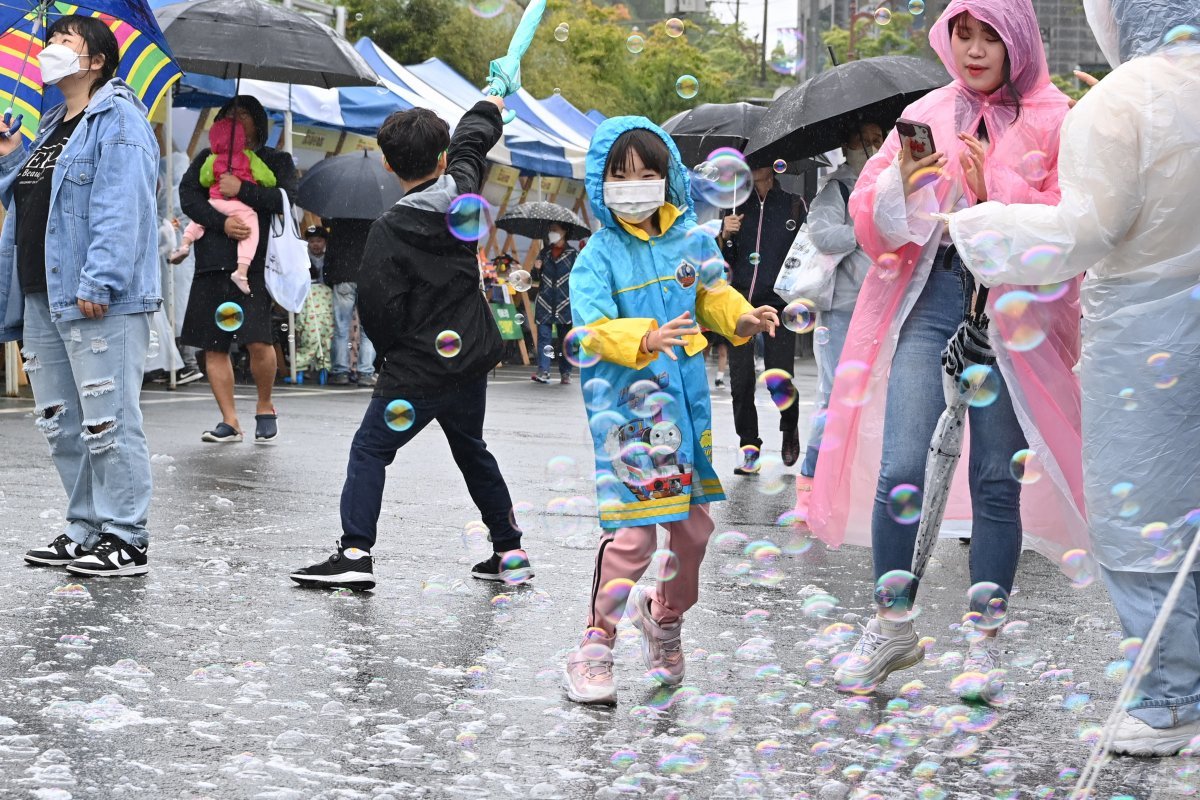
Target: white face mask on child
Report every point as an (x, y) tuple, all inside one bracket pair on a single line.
[(635, 201)]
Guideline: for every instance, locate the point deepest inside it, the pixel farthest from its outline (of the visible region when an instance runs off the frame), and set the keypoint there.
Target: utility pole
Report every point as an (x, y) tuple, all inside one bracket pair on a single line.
[(762, 77), (737, 13)]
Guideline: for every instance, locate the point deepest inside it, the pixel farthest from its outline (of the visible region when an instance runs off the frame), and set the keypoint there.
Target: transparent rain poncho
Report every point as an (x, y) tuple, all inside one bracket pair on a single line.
[(1128, 171)]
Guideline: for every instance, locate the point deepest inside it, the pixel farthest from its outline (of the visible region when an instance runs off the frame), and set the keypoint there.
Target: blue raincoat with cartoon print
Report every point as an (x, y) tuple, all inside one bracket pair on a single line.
[(650, 417)]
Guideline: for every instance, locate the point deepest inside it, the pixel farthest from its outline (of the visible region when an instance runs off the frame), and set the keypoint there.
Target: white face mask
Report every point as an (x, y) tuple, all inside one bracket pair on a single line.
[(56, 62), (635, 201), (553, 237), (857, 159)]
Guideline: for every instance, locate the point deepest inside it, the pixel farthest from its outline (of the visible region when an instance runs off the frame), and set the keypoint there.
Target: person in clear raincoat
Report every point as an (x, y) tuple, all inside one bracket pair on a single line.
[(996, 127), (637, 292), (1128, 166)]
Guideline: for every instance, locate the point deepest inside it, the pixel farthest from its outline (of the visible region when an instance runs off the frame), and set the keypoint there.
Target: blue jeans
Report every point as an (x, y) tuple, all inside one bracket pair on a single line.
[(914, 402), (828, 356), (459, 413), (86, 377), (1169, 694), (345, 296), (546, 337)]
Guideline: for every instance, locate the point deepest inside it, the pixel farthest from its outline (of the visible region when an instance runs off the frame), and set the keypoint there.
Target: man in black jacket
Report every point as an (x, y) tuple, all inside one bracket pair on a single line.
[(421, 304), (756, 238)]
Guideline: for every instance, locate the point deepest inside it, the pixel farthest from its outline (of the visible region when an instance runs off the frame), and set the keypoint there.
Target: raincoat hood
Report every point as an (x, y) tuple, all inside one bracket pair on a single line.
[(606, 135), (1127, 29), (1017, 25)]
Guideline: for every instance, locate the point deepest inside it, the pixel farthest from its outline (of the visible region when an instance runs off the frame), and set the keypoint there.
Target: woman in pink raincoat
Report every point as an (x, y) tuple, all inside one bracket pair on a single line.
[(996, 128)]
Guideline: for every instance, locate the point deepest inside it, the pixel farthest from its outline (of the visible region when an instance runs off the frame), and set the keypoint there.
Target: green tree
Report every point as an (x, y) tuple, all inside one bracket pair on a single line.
[(897, 38), (407, 30)]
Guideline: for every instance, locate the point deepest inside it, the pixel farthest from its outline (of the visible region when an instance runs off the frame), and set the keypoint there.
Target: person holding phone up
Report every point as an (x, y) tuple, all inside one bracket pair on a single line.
[(993, 133)]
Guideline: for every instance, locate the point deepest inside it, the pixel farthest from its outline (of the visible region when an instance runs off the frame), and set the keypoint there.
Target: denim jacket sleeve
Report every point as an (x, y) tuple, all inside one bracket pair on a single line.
[(122, 202), (10, 165)]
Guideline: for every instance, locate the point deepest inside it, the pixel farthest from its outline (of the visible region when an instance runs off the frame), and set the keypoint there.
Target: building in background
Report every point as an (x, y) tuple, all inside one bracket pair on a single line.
[(1065, 32)]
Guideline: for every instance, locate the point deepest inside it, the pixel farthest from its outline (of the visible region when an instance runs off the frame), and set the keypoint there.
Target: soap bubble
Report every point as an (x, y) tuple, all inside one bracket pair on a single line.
[(883, 16), (749, 453), (894, 596), (989, 605), (1079, 567), (520, 280), (230, 317), (515, 567), (469, 217), (635, 43), (821, 335), (664, 565), (581, 347), (1042, 257), (687, 86), (854, 378), (1181, 33), (548, 351), (519, 319), (985, 380), (562, 32), (724, 179), (1018, 325), (780, 166), (916, 7), (449, 344), (1127, 394), (597, 394), (904, 504), (1025, 467), (888, 266), (1034, 165), (358, 17), (754, 259), (399, 415), (779, 385), (674, 27), (790, 224), (613, 597), (1164, 375), (487, 8), (799, 316)]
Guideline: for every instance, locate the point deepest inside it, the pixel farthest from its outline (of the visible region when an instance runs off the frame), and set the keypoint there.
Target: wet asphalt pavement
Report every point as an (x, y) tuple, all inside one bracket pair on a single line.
[(215, 677)]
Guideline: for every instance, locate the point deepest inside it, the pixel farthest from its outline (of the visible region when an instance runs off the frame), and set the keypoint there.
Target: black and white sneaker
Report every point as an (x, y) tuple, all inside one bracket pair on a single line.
[(350, 568), (187, 375), (62, 551), (511, 567), (112, 556)]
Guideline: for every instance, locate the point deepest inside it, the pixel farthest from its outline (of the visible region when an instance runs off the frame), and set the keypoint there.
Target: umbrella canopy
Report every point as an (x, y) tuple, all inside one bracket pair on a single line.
[(817, 115), (967, 349), (352, 186), (145, 57), (709, 126), (532, 220), (254, 39)]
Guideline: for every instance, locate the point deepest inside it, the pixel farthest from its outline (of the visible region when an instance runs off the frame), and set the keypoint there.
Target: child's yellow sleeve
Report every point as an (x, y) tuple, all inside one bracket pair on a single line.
[(719, 310), (619, 341)]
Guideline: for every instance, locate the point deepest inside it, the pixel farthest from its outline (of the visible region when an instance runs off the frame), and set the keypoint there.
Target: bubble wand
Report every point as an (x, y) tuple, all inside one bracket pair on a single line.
[(504, 73)]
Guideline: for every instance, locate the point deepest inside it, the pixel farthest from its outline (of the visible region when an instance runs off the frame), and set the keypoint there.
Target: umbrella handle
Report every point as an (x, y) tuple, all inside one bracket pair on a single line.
[(981, 298), (14, 124)]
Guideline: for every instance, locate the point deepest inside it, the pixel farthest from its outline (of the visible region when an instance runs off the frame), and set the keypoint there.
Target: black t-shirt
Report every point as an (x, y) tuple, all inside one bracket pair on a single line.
[(33, 206)]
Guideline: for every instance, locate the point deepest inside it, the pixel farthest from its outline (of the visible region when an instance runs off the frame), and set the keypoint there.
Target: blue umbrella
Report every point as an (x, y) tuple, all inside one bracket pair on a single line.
[(504, 75)]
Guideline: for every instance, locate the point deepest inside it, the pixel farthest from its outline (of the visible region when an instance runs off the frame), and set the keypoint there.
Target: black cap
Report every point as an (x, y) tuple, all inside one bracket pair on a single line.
[(315, 230)]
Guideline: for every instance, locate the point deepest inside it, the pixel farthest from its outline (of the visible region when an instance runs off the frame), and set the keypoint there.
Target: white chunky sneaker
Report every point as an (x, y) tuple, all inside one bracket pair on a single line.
[(1135, 738), (588, 673), (661, 645), (884, 648)]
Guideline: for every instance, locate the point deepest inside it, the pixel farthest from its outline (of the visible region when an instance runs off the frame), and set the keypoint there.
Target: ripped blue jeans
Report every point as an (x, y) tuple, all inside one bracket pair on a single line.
[(86, 377)]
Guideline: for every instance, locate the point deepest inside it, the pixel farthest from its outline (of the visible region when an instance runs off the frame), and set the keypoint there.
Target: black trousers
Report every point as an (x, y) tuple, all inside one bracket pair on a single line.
[(779, 352)]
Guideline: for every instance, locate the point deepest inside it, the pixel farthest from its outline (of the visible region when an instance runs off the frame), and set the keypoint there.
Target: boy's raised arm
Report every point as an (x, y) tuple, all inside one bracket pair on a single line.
[(476, 133)]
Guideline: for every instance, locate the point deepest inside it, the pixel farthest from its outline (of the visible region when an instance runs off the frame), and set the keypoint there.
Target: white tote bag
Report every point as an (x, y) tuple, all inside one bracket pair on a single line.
[(287, 259), (807, 272)]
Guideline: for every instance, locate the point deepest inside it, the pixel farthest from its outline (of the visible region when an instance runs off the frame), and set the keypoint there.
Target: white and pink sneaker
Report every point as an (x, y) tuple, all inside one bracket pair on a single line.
[(662, 646), (588, 673)]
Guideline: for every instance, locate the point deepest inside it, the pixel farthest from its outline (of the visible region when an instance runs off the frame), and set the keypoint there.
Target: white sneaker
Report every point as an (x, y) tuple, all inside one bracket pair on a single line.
[(983, 656), (982, 677), (661, 645), (1135, 738), (880, 652), (588, 673)]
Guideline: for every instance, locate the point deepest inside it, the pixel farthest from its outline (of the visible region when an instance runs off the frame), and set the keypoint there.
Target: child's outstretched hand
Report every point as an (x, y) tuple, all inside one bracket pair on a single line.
[(670, 336), (763, 319)]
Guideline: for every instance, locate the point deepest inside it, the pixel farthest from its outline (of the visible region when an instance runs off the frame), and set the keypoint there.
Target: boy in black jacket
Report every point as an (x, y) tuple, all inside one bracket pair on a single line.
[(420, 303)]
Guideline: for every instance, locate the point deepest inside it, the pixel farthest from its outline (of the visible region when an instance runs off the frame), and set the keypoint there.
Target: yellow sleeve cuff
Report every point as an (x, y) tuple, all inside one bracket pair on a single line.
[(619, 341), (719, 309)]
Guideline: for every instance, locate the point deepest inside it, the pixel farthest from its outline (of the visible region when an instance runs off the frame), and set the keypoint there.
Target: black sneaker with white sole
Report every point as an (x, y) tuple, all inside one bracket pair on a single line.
[(112, 557), (511, 567), (62, 551), (348, 568)]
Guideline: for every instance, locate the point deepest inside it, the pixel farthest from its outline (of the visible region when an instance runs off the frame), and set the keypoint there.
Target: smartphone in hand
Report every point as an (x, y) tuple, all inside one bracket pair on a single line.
[(919, 137)]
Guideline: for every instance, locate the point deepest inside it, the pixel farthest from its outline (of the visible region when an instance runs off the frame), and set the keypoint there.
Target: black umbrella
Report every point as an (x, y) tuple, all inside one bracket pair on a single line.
[(818, 114), (713, 125), (352, 186), (260, 41), (532, 220)]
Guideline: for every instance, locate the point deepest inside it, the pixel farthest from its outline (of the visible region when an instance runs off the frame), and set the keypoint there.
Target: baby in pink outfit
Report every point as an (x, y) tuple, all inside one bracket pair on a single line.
[(230, 155)]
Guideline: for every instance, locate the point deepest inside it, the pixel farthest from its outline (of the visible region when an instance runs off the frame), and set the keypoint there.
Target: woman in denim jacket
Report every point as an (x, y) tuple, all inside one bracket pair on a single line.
[(79, 279)]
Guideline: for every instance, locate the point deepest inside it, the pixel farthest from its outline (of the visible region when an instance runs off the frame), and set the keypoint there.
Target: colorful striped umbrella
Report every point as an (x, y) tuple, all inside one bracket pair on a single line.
[(146, 63)]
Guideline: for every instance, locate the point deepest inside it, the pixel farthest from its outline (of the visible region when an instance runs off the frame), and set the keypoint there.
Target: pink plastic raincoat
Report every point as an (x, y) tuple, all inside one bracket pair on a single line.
[(902, 239)]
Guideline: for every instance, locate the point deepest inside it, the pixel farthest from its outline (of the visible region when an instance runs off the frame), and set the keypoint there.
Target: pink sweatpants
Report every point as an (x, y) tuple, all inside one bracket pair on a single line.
[(626, 553), (232, 208)]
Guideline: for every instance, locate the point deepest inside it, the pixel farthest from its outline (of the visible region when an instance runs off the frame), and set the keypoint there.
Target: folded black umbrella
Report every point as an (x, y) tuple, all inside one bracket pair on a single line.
[(352, 186), (820, 113), (710, 126), (260, 41), (532, 220)]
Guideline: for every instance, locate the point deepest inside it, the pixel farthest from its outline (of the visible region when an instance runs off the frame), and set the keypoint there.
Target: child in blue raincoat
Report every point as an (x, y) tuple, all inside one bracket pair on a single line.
[(639, 293)]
